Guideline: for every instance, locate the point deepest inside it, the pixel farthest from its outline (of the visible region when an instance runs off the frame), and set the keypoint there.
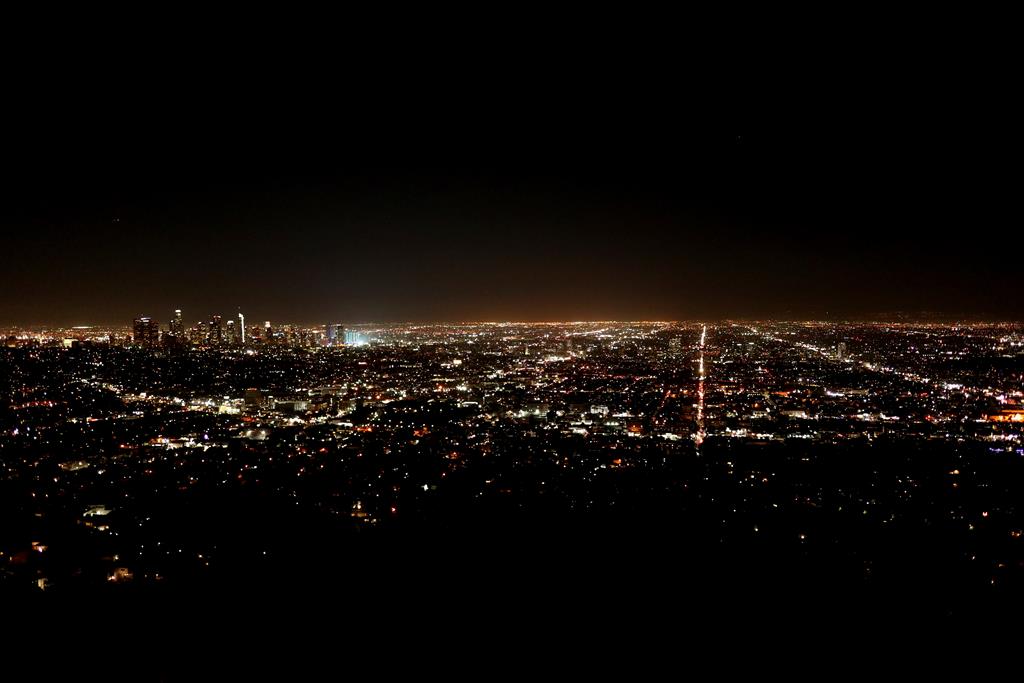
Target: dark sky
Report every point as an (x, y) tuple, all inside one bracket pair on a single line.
[(528, 190)]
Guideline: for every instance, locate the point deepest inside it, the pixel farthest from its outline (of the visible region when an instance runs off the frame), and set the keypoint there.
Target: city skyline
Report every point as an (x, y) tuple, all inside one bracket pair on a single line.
[(924, 319), (894, 317)]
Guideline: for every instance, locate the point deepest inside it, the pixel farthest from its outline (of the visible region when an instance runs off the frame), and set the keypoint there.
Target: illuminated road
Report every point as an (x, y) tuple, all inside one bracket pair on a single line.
[(701, 432)]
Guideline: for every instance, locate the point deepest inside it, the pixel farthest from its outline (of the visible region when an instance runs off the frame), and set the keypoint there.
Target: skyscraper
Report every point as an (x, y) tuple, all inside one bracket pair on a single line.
[(175, 336), (177, 326), (199, 333), (216, 333), (241, 327), (146, 331), (335, 334)]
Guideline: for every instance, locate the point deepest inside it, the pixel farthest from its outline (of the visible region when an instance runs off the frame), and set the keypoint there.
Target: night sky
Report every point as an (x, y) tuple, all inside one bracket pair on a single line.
[(525, 193)]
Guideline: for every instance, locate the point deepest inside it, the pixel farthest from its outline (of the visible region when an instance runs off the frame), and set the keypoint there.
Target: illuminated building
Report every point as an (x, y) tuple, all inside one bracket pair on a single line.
[(146, 331), (216, 331), (199, 333), (175, 331), (177, 326), (335, 334), (353, 338)]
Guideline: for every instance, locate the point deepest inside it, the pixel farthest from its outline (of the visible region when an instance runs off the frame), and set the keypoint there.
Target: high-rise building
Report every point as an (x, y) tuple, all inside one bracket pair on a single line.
[(335, 334), (241, 327), (841, 351), (353, 338), (216, 331), (199, 333), (232, 332), (146, 331), (177, 326), (175, 336)]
